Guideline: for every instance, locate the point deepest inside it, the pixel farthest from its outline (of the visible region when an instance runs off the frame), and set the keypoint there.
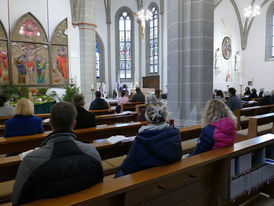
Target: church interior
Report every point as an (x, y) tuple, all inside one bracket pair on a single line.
[(204, 68)]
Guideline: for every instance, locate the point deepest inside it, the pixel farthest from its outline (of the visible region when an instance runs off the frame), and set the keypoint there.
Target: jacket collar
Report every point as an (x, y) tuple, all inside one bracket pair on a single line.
[(58, 134)]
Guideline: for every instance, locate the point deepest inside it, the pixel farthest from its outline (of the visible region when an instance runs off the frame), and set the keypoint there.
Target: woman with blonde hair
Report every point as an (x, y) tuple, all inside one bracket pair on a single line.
[(156, 144), (218, 130), (23, 122)]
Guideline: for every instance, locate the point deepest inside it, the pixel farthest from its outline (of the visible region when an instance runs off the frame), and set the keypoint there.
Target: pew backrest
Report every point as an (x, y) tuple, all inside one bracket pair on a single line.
[(259, 120), (203, 179), (130, 106)]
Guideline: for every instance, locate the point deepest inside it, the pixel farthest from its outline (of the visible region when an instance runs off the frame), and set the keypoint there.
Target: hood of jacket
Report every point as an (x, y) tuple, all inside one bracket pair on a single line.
[(162, 143), (224, 133)]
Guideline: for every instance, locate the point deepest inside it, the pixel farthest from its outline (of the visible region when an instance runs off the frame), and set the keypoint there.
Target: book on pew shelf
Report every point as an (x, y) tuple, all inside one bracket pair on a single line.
[(23, 154), (119, 138), (269, 161), (45, 121)]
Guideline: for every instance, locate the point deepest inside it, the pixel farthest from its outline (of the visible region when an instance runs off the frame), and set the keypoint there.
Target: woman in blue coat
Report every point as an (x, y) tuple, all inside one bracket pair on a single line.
[(23, 122), (156, 144)]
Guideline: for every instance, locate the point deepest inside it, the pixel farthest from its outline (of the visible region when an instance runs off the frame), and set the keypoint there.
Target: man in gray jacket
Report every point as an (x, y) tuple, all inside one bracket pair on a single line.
[(61, 165), (234, 102)]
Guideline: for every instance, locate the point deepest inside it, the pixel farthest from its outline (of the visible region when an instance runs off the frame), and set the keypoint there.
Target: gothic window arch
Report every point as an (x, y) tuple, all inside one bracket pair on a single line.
[(269, 44), (100, 59), (152, 41), (124, 37)]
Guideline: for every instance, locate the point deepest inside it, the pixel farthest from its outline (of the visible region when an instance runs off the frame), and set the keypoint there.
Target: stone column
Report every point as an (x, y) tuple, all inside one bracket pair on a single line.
[(107, 4), (140, 5), (190, 59), (87, 49)]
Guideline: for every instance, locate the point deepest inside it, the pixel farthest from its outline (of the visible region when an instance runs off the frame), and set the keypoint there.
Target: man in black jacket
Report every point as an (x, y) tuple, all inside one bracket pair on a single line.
[(84, 118), (61, 165), (139, 96), (98, 103)]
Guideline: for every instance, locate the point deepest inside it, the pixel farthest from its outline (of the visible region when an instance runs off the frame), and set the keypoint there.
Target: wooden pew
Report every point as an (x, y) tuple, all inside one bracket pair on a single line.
[(251, 111), (100, 120), (9, 165), (117, 118), (259, 120), (103, 111), (202, 180), (45, 116), (130, 106)]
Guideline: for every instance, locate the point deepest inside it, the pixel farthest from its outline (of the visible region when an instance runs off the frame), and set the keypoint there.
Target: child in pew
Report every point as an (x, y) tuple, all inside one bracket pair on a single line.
[(156, 144), (123, 99), (218, 127)]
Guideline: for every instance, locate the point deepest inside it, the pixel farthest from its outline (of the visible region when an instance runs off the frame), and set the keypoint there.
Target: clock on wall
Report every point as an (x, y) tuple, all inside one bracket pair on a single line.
[(226, 48)]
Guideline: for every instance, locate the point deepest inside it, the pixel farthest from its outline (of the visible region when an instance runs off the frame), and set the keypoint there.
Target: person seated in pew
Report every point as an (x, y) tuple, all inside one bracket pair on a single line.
[(84, 118), (272, 95), (247, 91), (219, 127), (219, 95), (98, 103), (266, 100), (23, 122), (62, 165), (5, 108), (261, 93), (234, 102), (156, 144), (252, 95), (142, 115), (123, 99), (138, 96)]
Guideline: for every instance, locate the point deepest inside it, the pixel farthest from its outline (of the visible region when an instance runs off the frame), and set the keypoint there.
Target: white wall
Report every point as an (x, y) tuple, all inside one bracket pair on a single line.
[(49, 13), (254, 66), (226, 24)]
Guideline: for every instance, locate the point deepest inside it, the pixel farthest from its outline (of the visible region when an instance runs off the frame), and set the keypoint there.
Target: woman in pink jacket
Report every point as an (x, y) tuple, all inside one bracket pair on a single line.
[(218, 127)]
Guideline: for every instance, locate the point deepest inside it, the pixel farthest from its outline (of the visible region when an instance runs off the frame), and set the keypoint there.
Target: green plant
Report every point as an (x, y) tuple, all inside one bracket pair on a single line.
[(14, 92), (71, 89), (42, 91)]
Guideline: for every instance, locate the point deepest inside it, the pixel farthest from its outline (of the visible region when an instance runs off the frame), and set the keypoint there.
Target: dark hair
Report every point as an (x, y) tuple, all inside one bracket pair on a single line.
[(63, 115), (253, 90), (124, 86), (78, 100), (220, 93), (232, 91), (3, 99), (163, 96), (123, 93), (97, 94), (138, 89), (247, 88)]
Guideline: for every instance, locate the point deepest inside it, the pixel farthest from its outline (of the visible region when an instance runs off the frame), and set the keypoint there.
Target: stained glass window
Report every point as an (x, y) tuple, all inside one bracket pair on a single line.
[(99, 58), (125, 46), (97, 61), (154, 41)]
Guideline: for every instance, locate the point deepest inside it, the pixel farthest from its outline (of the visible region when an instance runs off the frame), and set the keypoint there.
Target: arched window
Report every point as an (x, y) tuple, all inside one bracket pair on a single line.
[(269, 44), (125, 44), (152, 40), (100, 59)]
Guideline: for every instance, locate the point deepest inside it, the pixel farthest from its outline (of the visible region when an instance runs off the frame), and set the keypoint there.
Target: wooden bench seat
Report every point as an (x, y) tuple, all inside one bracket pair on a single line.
[(9, 165), (244, 114), (202, 179), (130, 106), (256, 121)]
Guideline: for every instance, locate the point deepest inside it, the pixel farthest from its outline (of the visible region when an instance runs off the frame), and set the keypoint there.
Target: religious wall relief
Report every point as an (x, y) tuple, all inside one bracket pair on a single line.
[(60, 54), (29, 52), (4, 72), (30, 63)]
